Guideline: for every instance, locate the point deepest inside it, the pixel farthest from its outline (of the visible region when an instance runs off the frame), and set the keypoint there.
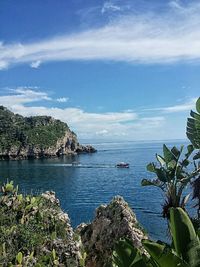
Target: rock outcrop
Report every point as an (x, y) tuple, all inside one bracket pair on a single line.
[(68, 252), (112, 222), (85, 149), (36, 137)]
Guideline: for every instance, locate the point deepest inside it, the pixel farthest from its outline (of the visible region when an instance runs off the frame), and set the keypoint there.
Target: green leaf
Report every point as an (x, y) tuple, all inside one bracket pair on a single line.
[(9, 187), (168, 155), (172, 164), (54, 254), (53, 235), (19, 257), (193, 126), (163, 255), (190, 149), (33, 200), (185, 162), (161, 160), (176, 152), (151, 167), (146, 182), (183, 233), (161, 174), (198, 105), (126, 255)]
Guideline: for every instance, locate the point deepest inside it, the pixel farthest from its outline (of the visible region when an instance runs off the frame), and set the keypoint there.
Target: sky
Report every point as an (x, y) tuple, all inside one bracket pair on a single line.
[(113, 70)]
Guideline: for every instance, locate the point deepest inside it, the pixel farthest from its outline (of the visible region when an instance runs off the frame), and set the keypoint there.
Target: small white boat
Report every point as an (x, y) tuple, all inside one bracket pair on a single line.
[(122, 165)]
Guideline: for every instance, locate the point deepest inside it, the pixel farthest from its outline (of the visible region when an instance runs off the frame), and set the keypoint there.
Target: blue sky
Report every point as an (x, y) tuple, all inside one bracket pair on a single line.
[(124, 70)]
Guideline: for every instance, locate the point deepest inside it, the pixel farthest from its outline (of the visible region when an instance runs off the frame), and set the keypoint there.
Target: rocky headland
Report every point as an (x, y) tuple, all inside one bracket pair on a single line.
[(36, 137)]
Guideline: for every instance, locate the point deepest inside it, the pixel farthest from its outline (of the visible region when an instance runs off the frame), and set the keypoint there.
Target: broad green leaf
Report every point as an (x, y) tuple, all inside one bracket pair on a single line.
[(168, 155), (176, 152), (161, 160), (126, 255), (163, 255), (146, 182), (183, 233), (195, 115), (193, 126), (198, 105), (172, 164), (190, 149), (161, 174), (151, 167)]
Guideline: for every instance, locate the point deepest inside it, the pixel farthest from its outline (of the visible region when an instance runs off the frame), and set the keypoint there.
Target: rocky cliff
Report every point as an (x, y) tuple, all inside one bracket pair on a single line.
[(112, 222), (36, 137)]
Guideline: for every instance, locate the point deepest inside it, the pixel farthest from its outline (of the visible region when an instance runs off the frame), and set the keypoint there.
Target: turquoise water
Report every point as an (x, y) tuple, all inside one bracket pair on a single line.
[(95, 181)]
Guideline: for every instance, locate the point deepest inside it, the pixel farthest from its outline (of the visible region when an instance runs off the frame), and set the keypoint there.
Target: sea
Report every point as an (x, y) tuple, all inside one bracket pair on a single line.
[(94, 180)]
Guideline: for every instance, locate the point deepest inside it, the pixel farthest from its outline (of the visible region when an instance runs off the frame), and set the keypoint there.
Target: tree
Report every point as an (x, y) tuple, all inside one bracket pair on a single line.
[(172, 176)]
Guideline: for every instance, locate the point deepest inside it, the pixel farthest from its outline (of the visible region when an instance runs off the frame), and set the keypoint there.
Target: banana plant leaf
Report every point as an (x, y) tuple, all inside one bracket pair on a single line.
[(163, 255), (185, 240), (193, 126), (126, 255)]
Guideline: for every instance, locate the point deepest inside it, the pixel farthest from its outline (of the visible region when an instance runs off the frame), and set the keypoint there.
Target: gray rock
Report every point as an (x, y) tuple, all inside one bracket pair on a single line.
[(112, 222)]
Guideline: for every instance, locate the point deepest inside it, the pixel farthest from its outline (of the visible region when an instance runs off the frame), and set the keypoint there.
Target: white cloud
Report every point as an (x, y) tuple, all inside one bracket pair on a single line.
[(62, 99), (137, 38), (102, 132), (86, 124), (35, 64), (109, 6), (3, 65), (23, 95), (176, 4), (188, 105)]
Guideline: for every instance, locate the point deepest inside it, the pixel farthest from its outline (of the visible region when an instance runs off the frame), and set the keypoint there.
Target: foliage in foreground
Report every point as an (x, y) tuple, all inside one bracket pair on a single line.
[(183, 252), (32, 231), (193, 126), (172, 176)]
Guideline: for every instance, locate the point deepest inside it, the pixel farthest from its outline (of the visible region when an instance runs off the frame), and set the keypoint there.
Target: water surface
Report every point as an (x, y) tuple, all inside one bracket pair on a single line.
[(81, 188)]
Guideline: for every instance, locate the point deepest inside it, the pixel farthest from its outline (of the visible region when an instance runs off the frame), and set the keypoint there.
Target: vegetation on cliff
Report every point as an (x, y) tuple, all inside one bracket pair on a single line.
[(36, 137), (41, 131), (34, 231)]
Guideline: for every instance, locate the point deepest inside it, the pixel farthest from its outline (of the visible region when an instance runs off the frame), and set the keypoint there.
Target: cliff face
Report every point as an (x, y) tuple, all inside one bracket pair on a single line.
[(112, 222), (36, 137)]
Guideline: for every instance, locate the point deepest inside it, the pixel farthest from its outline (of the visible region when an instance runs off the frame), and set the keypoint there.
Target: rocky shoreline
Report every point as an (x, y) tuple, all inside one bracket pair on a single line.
[(26, 153), (36, 137)]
